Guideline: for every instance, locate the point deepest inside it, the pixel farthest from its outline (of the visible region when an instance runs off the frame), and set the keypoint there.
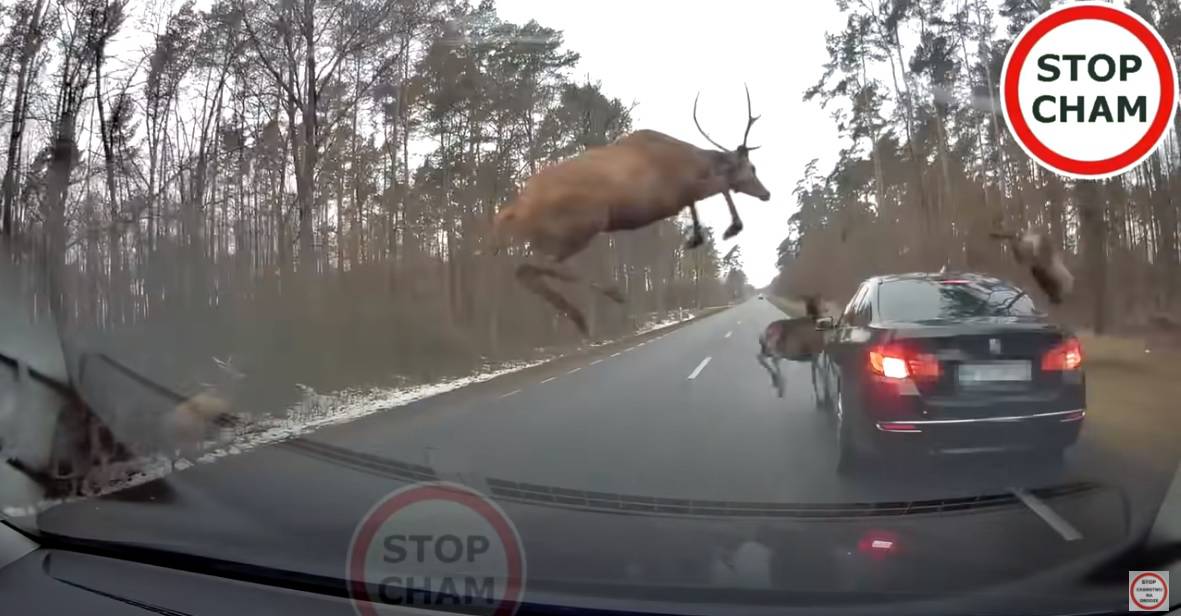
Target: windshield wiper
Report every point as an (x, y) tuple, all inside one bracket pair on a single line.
[(21, 367)]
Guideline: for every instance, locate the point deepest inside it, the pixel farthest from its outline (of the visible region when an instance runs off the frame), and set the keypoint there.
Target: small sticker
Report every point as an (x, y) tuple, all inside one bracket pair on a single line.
[(1148, 591)]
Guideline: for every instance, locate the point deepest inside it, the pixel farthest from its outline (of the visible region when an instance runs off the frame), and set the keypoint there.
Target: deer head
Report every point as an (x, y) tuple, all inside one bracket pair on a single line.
[(738, 170)]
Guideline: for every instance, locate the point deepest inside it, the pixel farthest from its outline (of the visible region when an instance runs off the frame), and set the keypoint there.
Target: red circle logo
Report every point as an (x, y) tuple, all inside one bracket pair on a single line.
[(1154, 579), (1095, 114), (436, 545)]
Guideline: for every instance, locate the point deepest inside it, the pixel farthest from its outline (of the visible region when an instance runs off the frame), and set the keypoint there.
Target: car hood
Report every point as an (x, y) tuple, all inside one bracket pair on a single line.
[(620, 551)]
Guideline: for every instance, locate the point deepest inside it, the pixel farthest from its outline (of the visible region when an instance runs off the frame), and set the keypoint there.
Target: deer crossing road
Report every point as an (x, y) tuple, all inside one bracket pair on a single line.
[(628, 421)]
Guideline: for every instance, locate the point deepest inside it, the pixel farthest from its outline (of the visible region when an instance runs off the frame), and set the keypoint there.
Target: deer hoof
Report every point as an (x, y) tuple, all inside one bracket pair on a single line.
[(694, 241), (732, 230)]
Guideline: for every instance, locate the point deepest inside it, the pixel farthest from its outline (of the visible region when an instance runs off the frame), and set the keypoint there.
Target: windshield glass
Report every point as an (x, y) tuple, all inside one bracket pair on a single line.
[(944, 300), (554, 301)]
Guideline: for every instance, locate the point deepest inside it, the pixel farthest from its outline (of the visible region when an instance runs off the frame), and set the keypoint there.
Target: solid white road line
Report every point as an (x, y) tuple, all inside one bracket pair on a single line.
[(511, 393), (597, 361), (548, 380), (728, 334), (699, 368), (1048, 515), (574, 370)]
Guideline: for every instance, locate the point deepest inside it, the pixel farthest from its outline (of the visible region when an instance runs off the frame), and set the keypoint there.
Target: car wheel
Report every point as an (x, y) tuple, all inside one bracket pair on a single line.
[(848, 456)]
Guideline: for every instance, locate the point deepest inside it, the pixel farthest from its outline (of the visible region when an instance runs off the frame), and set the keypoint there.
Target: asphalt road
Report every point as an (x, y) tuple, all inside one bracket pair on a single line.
[(683, 413), (687, 414)]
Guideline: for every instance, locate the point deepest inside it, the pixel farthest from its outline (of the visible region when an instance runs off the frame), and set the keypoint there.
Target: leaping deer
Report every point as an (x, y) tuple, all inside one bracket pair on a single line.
[(1035, 250), (641, 178)]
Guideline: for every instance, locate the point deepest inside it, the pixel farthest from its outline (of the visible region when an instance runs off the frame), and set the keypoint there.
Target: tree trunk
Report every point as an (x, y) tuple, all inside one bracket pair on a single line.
[(305, 172), (114, 228), (1094, 234), (30, 47)]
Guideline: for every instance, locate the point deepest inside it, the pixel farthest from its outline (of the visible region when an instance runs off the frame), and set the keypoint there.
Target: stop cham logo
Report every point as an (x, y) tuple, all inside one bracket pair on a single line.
[(1089, 90), (436, 545)]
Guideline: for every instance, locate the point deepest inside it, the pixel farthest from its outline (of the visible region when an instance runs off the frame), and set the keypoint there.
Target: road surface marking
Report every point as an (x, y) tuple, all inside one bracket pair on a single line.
[(548, 380), (511, 393), (617, 354), (699, 368), (597, 361), (575, 370), (728, 334), (1048, 515)]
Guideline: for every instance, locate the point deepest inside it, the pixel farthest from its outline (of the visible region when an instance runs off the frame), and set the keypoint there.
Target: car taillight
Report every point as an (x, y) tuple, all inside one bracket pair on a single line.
[(896, 362), (1066, 355)]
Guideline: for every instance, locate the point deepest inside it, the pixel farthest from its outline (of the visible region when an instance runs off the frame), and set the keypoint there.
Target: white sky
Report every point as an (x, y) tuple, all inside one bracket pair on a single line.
[(659, 53)]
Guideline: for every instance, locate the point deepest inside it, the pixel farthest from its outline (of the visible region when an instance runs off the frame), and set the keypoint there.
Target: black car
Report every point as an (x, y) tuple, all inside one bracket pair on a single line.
[(950, 363)]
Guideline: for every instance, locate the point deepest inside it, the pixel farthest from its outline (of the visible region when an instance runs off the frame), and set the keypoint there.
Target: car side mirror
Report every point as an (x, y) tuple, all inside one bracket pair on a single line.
[(824, 323)]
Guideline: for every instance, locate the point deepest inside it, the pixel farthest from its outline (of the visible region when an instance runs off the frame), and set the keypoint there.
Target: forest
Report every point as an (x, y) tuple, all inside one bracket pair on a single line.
[(928, 169), (305, 186)]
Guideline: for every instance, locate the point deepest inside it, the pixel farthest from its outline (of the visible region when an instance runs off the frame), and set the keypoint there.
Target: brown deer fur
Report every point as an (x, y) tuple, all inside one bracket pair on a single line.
[(641, 178)]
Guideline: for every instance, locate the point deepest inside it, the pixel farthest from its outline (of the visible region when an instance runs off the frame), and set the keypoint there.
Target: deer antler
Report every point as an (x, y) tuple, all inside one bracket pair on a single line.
[(750, 121), (701, 130)]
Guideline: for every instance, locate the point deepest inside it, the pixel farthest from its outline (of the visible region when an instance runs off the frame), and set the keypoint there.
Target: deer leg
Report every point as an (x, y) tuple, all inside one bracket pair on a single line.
[(530, 276), (762, 358), (558, 272), (779, 385), (735, 221), (695, 238)]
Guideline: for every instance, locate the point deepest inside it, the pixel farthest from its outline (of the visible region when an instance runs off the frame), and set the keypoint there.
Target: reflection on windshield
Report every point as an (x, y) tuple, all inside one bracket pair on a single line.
[(922, 300), (265, 263)]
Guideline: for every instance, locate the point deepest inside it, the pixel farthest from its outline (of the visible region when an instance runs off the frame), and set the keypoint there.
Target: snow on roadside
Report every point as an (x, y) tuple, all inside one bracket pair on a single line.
[(316, 410), (651, 326), (312, 412)]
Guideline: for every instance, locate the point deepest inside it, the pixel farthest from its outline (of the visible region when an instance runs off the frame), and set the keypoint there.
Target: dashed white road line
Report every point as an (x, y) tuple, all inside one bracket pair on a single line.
[(728, 334), (1048, 515), (617, 354), (548, 380), (574, 370), (699, 368), (511, 393), (597, 361)]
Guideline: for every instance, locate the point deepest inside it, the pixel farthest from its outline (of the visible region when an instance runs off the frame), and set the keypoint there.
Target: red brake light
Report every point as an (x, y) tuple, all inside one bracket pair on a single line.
[(896, 362), (1066, 355)]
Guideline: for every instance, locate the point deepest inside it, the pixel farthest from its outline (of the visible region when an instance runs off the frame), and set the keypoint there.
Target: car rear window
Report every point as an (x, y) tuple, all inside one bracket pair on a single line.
[(940, 300)]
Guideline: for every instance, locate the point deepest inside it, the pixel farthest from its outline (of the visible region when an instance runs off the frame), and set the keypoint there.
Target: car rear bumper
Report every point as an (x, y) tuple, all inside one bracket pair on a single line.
[(1053, 429)]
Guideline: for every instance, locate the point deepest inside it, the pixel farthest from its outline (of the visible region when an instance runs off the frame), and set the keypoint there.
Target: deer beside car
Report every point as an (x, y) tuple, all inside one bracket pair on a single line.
[(796, 339)]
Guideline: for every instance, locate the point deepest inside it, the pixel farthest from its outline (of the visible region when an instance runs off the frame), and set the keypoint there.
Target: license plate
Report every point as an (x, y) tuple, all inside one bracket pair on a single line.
[(994, 372)]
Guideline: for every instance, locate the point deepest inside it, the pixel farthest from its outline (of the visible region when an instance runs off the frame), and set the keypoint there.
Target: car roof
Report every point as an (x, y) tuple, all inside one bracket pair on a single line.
[(940, 276)]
